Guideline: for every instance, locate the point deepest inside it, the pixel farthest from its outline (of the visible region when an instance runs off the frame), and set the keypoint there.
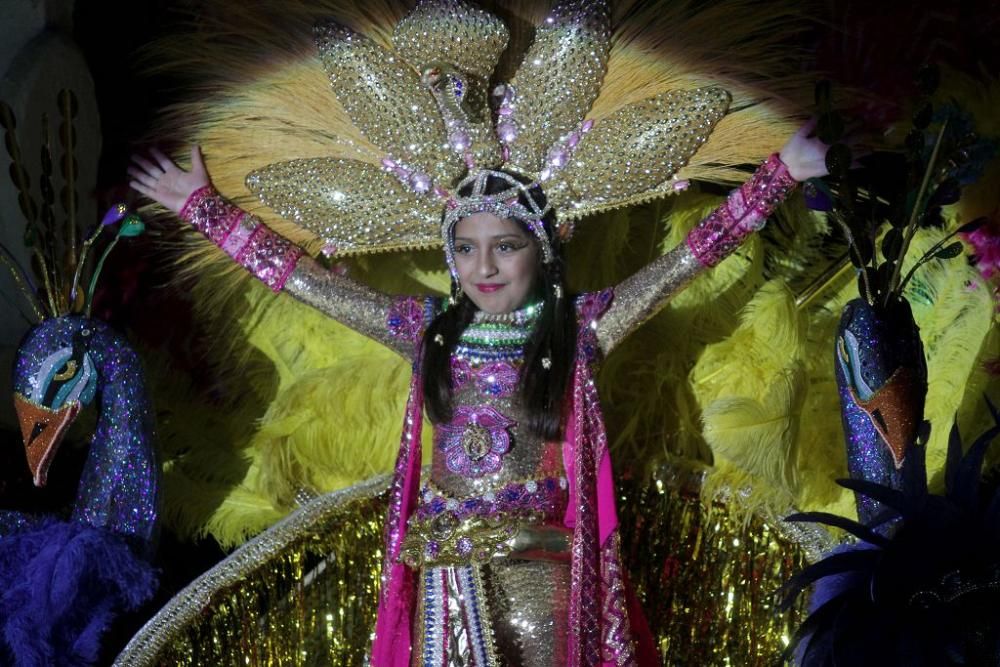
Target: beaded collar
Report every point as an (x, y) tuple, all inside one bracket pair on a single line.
[(491, 337)]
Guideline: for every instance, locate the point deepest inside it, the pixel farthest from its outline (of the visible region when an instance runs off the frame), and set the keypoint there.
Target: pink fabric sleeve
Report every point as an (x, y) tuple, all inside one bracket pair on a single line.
[(270, 257), (744, 212)]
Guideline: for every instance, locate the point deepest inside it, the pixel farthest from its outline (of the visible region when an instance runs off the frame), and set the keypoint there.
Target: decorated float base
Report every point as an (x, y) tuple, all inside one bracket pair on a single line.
[(305, 591)]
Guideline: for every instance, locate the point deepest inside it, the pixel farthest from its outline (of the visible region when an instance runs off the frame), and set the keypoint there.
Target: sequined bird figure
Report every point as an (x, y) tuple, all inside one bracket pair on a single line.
[(882, 380), (875, 603), (64, 579)]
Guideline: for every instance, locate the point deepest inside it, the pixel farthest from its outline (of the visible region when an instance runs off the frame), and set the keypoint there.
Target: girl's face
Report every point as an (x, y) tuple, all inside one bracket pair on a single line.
[(497, 262)]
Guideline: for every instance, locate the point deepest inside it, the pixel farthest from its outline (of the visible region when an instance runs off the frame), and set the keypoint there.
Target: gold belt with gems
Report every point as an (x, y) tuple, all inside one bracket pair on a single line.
[(447, 532)]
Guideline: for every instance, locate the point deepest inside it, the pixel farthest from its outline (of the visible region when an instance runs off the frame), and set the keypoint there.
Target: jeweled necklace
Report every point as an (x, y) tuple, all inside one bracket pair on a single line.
[(521, 316), (498, 336)]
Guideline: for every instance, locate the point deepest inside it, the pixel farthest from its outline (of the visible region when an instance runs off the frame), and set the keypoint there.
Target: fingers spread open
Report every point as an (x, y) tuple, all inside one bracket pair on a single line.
[(165, 163), (140, 187), (142, 177), (150, 168), (198, 160)]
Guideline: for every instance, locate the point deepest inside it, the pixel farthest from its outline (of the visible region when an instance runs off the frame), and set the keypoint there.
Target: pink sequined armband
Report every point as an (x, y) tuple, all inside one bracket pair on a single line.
[(744, 212), (270, 257)]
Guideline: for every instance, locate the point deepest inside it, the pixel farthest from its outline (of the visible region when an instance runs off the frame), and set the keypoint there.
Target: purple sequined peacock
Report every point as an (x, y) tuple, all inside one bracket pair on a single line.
[(65, 579)]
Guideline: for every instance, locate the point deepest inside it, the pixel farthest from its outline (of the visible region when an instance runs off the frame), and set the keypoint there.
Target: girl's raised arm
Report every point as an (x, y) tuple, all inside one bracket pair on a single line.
[(271, 258), (644, 293)]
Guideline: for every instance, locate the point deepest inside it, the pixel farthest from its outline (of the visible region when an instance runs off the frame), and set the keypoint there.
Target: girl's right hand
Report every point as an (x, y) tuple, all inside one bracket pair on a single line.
[(164, 182), (805, 155)]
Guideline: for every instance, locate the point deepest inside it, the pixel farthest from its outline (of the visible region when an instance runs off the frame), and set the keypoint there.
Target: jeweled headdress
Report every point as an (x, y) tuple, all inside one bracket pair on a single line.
[(432, 110)]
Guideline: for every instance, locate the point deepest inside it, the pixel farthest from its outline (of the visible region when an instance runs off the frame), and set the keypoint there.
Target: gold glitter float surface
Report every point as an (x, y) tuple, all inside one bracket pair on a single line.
[(305, 591)]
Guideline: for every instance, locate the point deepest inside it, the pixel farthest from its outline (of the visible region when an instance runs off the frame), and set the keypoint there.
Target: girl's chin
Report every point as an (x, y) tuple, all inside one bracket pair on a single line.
[(493, 306)]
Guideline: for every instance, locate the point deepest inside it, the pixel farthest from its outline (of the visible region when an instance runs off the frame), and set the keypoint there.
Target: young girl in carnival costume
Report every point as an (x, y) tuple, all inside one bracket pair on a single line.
[(508, 552)]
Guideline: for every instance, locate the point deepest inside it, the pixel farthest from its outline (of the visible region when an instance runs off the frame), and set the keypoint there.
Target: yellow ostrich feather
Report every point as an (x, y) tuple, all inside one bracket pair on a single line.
[(648, 404), (240, 517), (752, 385), (333, 426), (801, 253), (321, 429), (955, 313), (822, 457), (974, 417)]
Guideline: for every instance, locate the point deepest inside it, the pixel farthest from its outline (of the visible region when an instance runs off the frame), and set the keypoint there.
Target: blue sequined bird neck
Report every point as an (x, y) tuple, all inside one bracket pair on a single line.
[(119, 485)]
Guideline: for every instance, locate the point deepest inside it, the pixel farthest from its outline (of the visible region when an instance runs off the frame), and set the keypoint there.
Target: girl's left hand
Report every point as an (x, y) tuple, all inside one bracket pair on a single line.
[(805, 156), (164, 182)]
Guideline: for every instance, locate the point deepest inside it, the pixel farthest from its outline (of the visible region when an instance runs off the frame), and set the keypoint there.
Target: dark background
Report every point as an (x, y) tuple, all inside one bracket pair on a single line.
[(876, 46)]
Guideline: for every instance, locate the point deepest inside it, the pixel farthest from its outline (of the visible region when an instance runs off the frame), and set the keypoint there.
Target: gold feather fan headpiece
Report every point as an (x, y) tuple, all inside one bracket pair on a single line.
[(428, 106)]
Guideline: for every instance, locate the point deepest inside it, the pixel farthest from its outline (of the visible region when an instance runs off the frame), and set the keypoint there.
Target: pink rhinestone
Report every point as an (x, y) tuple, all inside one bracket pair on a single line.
[(507, 131), (573, 140), (557, 157), (420, 181), (459, 140), (388, 163), (505, 111), (587, 124)]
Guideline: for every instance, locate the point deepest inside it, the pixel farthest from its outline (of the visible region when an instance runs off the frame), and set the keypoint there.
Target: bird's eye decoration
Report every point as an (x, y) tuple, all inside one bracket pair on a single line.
[(849, 358), (67, 375)]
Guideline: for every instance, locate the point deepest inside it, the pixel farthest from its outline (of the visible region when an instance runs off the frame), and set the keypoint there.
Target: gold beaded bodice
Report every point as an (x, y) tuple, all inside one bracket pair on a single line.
[(486, 444)]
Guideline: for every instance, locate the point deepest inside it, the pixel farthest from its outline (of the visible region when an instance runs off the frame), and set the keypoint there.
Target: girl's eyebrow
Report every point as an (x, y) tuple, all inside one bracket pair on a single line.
[(495, 236)]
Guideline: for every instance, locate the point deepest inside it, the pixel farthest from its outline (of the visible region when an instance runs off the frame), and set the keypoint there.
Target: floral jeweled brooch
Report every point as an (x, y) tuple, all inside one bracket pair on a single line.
[(475, 440)]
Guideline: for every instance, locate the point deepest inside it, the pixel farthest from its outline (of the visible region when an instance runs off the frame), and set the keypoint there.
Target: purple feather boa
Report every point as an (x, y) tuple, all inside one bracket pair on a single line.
[(61, 586)]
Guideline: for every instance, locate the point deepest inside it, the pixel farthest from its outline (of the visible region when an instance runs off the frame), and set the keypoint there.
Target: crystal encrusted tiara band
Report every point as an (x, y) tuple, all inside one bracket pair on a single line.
[(506, 204)]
